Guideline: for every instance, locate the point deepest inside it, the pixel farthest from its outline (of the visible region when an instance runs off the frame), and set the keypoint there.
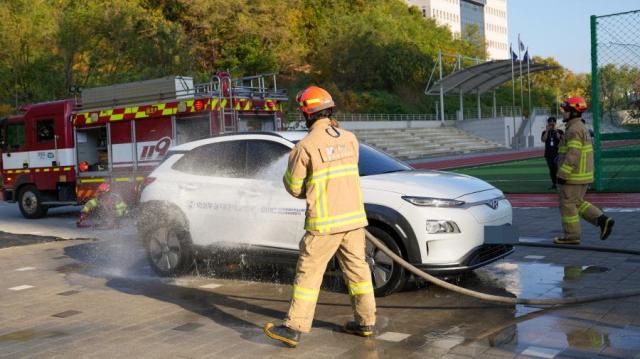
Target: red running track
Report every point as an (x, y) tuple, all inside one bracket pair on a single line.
[(500, 157), (602, 200)]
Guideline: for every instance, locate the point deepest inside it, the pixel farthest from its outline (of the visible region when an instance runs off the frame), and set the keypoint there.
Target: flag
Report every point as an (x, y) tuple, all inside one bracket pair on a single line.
[(525, 58), (521, 44), (514, 56)]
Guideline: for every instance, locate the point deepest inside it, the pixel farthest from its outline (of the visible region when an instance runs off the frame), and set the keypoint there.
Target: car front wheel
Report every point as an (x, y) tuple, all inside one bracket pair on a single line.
[(386, 275)]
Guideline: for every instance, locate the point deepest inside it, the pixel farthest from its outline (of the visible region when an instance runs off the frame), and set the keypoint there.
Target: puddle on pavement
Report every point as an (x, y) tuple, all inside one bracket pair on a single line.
[(29, 334), (537, 279)]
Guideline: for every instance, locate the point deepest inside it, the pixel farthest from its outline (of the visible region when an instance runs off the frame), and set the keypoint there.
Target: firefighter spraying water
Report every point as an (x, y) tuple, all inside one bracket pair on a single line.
[(323, 168)]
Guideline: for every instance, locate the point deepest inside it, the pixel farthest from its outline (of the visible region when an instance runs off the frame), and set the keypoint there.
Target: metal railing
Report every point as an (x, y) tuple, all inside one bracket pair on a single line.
[(346, 117)]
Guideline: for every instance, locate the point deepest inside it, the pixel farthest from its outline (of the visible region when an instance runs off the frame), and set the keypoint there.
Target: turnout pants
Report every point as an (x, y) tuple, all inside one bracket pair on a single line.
[(315, 253), (573, 206)]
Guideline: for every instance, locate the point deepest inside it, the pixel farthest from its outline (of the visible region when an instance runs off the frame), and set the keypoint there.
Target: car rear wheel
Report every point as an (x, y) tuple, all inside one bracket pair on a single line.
[(169, 250), (30, 203), (386, 275)]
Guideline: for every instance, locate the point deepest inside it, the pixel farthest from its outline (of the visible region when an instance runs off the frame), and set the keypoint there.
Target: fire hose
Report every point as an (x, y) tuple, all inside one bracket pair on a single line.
[(502, 299)]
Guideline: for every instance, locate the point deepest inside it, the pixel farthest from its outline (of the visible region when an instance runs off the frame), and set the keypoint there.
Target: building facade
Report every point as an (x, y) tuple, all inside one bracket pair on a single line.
[(488, 16)]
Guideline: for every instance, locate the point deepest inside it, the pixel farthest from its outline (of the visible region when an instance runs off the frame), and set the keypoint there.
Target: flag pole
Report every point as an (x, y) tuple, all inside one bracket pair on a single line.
[(529, 85), (513, 96), (521, 79)]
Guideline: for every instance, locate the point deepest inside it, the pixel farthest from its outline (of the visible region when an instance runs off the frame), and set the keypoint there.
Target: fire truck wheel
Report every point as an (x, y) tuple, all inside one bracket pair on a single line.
[(168, 250), (30, 203)]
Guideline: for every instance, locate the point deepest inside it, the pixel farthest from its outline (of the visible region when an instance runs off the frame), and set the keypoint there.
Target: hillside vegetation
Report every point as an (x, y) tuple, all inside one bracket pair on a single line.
[(373, 55)]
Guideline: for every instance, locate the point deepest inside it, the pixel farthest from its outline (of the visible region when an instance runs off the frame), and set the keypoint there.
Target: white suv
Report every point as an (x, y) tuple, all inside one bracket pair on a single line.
[(226, 193)]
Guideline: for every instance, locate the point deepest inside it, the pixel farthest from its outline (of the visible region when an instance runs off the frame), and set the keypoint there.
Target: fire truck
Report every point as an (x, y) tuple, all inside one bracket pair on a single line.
[(57, 153)]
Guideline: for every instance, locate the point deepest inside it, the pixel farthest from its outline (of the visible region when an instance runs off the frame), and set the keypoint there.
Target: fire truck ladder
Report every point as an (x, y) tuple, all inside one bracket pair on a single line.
[(227, 115)]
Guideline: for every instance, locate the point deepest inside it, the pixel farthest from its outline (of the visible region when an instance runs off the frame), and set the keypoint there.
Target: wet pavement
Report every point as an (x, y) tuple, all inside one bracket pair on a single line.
[(99, 298)]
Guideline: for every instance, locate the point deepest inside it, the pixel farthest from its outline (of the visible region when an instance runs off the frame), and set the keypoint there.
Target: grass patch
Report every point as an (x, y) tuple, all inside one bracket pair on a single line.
[(532, 175)]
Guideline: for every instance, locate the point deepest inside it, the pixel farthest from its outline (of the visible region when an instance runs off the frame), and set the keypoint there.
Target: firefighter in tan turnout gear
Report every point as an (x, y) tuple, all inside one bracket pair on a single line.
[(575, 173), (323, 168)]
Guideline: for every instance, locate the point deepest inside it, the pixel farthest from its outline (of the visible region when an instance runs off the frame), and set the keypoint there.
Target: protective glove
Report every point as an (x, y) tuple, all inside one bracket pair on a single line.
[(562, 181)]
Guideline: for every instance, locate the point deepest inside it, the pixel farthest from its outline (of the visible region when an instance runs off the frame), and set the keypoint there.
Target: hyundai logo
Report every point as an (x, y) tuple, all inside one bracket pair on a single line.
[(494, 203)]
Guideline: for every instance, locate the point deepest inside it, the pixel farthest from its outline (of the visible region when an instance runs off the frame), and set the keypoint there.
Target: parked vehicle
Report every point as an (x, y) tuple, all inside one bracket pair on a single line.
[(226, 192)]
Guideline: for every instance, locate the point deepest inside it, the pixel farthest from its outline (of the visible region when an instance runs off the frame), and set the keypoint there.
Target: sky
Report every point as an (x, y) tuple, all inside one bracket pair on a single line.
[(560, 28)]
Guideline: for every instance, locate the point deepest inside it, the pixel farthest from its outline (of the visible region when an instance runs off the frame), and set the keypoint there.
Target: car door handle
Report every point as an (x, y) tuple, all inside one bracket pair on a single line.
[(188, 187)]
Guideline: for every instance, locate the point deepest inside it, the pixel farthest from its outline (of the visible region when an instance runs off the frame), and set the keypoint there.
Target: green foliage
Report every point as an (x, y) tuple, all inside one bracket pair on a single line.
[(374, 56)]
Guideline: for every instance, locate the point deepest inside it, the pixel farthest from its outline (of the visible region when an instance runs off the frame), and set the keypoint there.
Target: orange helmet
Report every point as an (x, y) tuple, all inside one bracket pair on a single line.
[(314, 99), (103, 187), (575, 104)]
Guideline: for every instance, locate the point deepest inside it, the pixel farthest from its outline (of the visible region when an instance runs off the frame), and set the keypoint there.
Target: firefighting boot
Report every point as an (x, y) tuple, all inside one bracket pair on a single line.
[(283, 334), (561, 240), (606, 226), (357, 329)]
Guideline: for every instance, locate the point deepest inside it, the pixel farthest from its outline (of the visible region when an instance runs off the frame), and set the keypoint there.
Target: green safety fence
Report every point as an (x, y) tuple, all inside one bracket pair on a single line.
[(615, 90)]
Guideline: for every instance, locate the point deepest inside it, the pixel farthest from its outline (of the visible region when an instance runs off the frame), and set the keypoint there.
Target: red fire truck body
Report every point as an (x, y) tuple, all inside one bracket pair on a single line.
[(58, 153)]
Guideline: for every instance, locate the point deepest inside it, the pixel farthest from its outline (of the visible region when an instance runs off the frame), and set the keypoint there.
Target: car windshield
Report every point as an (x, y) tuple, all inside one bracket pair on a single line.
[(373, 162)]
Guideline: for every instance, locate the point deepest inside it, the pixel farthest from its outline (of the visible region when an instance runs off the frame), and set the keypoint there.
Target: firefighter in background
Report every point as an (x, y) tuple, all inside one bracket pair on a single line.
[(107, 207), (575, 173), (323, 168)]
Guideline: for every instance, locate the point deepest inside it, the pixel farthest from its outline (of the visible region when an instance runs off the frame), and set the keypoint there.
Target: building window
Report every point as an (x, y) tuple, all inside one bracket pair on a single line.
[(424, 12)]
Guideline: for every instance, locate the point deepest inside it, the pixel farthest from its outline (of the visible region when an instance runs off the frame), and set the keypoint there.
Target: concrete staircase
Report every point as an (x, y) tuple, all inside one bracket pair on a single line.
[(414, 143)]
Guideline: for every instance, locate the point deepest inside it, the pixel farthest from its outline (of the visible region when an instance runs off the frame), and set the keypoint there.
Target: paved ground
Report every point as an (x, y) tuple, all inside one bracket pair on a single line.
[(98, 298)]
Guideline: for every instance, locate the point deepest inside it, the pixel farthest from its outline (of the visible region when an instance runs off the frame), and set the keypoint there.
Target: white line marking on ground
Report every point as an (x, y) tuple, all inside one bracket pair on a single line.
[(534, 257), (393, 336), (21, 287), (211, 286), (540, 352), (23, 269)]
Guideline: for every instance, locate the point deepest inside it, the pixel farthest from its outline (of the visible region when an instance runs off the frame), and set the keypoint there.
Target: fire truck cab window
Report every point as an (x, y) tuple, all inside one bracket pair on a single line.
[(15, 136), (44, 130), (222, 159), (93, 148), (192, 128)]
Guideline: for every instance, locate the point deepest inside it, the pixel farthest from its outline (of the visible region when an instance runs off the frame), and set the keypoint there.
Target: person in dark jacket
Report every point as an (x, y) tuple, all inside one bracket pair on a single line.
[(551, 138)]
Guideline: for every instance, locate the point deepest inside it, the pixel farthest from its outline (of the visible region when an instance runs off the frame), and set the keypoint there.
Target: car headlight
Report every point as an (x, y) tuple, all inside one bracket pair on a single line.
[(441, 226), (433, 202)]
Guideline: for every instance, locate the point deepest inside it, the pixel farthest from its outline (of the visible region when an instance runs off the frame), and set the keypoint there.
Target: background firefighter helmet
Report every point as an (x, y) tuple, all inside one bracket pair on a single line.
[(574, 104), (314, 99), (83, 166), (103, 187)]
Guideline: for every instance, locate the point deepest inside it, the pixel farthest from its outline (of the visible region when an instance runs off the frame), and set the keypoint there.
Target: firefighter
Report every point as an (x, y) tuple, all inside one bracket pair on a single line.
[(106, 206), (323, 169), (575, 173)]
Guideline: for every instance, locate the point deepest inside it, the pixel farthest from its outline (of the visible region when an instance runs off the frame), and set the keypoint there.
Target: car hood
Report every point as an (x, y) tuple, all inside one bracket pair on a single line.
[(425, 183)]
